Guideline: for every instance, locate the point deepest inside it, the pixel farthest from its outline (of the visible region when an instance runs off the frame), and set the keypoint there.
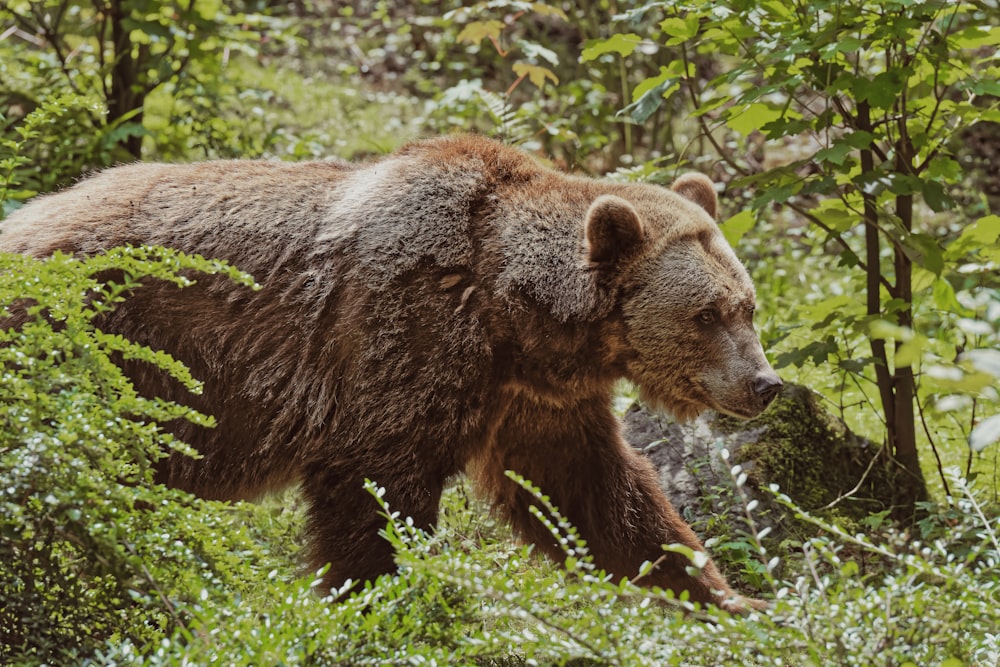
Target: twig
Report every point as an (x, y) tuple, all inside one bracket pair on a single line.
[(864, 475), (706, 132), (930, 440)]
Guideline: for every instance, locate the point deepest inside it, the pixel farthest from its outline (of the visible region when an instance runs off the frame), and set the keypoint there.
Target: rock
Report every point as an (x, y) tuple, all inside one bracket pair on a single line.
[(808, 452)]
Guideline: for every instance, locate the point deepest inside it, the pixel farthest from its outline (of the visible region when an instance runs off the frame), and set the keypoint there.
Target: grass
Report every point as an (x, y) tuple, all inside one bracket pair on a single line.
[(276, 111), (343, 118)]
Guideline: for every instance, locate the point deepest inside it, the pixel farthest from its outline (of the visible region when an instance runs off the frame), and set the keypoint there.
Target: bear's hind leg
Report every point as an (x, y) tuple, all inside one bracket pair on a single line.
[(344, 520)]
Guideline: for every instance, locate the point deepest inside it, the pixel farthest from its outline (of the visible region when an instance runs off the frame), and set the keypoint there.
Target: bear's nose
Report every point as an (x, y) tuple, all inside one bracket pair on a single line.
[(767, 386)]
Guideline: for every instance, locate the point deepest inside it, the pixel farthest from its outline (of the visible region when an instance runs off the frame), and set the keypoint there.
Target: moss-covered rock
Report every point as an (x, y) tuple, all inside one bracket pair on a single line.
[(807, 451)]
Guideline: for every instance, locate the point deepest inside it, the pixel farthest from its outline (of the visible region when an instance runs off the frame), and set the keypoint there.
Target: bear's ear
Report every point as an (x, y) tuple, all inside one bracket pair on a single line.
[(699, 189), (613, 230)]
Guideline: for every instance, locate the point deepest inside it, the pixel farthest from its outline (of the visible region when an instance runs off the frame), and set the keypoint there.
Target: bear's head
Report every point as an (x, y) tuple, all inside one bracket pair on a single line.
[(687, 301)]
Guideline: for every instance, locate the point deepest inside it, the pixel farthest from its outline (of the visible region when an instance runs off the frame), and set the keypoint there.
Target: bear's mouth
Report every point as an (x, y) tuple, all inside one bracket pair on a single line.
[(747, 409), (738, 409), (739, 414), (684, 408), (686, 397)]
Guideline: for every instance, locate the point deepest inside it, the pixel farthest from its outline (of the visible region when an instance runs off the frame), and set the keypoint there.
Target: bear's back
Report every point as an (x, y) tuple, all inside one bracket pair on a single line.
[(239, 210), (387, 215)]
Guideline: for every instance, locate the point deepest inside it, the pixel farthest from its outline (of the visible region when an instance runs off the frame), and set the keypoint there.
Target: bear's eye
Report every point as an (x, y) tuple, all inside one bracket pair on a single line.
[(708, 316)]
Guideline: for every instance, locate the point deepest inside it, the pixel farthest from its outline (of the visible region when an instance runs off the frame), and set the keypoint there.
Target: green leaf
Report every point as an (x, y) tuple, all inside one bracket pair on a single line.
[(651, 99), (886, 330), (535, 73), (936, 197), (122, 132), (680, 30), (673, 71), (650, 93), (752, 117), (909, 352), (835, 154), (817, 351), (20, 194), (944, 168), (845, 44), (924, 250), (477, 31), (983, 233), (834, 214), (622, 44), (856, 366), (977, 36), (882, 91), (780, 191), (543, 9), (943, 295), (952, 662), (859, 139), (735, 227), (903, 184), (984, 87)]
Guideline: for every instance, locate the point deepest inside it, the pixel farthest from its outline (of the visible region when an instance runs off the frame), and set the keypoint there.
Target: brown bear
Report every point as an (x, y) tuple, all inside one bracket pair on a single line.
[(452, 307)]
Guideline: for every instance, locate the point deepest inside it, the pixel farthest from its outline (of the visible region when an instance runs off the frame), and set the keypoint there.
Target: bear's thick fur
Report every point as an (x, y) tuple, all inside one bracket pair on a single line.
[(452, 307)]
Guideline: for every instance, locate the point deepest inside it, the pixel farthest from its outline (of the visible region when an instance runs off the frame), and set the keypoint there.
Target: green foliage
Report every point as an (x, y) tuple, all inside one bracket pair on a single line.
[(868, 99), (59, 133), (514, 69), (514, 119), (473, 599), (91, 550), (111, 61), (100, 565), (201, 105)]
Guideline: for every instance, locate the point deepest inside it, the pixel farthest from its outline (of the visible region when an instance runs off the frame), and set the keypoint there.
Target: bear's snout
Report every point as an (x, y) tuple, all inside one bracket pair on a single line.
[(767, 385)]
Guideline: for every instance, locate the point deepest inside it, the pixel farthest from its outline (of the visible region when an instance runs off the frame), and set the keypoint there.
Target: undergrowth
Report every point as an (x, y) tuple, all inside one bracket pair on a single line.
[(933, 602)]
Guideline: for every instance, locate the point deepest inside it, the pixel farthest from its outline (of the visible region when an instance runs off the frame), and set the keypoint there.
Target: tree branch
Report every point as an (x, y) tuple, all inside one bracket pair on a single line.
[(706, 132)]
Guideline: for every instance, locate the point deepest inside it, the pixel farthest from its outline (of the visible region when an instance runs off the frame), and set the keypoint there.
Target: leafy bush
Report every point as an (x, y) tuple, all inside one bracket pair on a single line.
[(462, 599), (91, 549), (59, 133), (146, 76)]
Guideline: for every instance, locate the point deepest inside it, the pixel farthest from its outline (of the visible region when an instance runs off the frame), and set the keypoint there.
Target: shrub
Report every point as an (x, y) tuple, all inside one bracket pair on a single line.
[(91, 550), (461, 599)]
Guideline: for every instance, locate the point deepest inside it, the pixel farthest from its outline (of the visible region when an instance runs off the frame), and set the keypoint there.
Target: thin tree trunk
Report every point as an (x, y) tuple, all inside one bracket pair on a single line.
[(904, 444), (127, 92), (873, 284), (895, 386)]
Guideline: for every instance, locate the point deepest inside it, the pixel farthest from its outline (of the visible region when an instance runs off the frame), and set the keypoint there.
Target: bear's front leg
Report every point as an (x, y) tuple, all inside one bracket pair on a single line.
[(608, 491)]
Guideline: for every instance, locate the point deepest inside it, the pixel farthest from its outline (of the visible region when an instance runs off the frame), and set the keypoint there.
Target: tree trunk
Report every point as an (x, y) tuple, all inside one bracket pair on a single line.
[(127, 92), (903, 436), (895, 385)]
